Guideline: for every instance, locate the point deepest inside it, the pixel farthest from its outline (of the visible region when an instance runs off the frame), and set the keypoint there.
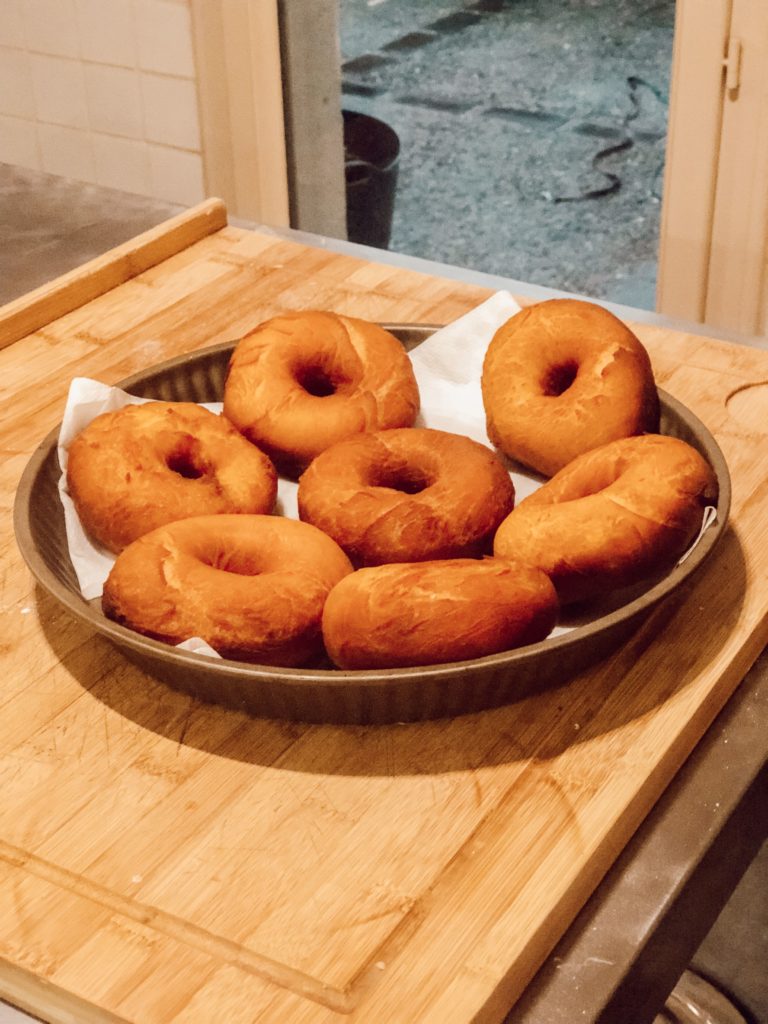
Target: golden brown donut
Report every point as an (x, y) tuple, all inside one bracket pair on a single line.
[(132, 470), (303, 381), (562, 377), (407, 495), (428, 613), (613, 516), (253, 587)]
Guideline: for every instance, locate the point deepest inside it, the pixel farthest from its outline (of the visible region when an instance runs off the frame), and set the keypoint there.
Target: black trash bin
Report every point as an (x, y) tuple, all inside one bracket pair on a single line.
[(371, 154)]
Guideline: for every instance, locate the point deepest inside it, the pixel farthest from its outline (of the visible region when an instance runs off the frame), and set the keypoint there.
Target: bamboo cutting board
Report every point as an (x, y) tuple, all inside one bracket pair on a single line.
[(163, 862)]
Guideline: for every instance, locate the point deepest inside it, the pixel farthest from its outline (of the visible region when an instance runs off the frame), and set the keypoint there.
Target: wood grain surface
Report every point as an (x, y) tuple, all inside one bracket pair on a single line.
[(163, 862)]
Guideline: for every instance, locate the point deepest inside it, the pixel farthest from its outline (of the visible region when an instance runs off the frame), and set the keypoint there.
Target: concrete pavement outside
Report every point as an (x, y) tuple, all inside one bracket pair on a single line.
[(532, 133)]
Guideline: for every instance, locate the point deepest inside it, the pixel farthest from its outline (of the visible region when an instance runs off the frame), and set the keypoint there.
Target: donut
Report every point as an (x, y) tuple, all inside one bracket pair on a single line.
[(407, 495), (613, 516), (562, 377), (253, 587), (142, 466), (428, 613), (303, 381)]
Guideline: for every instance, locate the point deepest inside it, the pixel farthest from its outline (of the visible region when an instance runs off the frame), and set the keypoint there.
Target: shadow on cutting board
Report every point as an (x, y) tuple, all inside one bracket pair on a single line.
[(672, 648)]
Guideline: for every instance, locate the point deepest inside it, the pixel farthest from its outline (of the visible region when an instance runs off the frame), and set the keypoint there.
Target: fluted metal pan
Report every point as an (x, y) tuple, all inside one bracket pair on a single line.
[(327, 694)]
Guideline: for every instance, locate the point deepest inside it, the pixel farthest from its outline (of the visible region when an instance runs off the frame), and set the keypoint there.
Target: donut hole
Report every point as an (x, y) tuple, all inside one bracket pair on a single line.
[(559, 378), (241, 563), (185, 459), (406, 479), (318, 381)]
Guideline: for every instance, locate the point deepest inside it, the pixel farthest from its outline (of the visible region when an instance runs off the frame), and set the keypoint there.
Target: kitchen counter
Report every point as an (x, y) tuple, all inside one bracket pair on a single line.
[(635, 934)]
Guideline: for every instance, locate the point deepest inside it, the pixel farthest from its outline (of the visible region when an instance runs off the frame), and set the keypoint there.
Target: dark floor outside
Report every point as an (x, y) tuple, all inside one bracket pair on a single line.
[(532, 133)]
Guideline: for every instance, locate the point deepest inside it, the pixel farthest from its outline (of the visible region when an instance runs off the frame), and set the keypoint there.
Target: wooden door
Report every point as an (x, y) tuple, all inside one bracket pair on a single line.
[(237, 51), (715, 208)]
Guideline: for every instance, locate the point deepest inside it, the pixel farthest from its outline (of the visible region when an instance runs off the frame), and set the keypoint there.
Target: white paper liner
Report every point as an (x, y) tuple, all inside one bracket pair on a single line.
[(198, 646), (448, 367), (709, 517)]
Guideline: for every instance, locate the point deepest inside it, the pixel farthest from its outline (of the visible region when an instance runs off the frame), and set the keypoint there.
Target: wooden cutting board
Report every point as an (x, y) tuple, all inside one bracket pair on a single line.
[(162, 861)]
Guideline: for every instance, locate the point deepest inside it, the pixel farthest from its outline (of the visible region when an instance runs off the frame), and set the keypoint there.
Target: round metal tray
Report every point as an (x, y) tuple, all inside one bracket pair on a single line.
[(327, 694)]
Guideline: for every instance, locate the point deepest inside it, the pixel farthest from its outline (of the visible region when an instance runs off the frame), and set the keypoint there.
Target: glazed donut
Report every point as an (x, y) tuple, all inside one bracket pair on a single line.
[(613, 516), (303, 381), (407, 495), (427, 613), (562, 377), (142, 466), (253, 587)]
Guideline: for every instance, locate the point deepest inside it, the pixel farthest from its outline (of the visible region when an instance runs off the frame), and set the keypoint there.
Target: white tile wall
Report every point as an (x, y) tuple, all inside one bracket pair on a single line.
[(170, 111), (18, 142), (50, 27), (107, 40), (114, 101), (58, 86), (66, 151), (176, 176), (102, 91), (16, 83), (165, 37), (122, 164), (12, 24)]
